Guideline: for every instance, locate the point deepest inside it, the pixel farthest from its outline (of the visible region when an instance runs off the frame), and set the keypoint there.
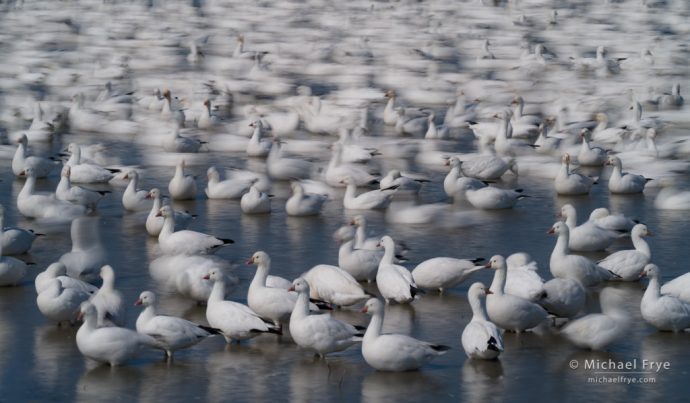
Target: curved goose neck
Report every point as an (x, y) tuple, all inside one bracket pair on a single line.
[(653, 291), (256, 135), (498, 282), (360, 235), (561, 247), (478, 310), (156, 206), (146, 315), (301, 308), (133, 182), (29, 186), (640, 244), (217, 292), (389, 254), (336, 158), (179, 171), (259, 279), (617, 172), (75, 158), (350, 191), (63, 185), (168, 226), (375, 325), (571, 219)]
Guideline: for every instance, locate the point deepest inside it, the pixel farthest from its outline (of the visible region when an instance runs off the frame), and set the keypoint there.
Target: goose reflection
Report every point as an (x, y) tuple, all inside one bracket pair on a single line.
[(54, 348), (106, 383), (400, 386), (329, 379), (482, 380)]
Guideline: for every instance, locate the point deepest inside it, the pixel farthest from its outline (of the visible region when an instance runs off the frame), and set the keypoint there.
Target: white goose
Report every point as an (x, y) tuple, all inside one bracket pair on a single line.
[(481, 339), (563, 297), (255, 201), (171, 333), (320, 333), (236, 321), (134, 199), (174, 143), (154, 222), (522, 278), (42, 205), (436, 132), (304, 204), (455, 180), (565, 265), (284, 168), (108, 300), (85, 172), (597, 330), (628, 264), (395, 283), (678, 287), (507, 311), (58, 303), (88, 254), (181, 186), (395, 179), (587, 236), (334, 285), (258, 146), (111, 345), (337, 171), (14, 240), (570, 183), (77, 194), (441, 273), (624, 183), (207, 120), (362, 264), (588, 155), (488, 167), (394, 352), (232, 188), (615, 222), (490, 197), (58, 271), (185, 242), (670, 198), (11, 270), (22, 160), (664, 312), (371, 200)]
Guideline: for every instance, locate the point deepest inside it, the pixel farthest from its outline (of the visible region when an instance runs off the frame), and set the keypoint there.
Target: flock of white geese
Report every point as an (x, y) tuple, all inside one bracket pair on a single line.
[(253, 101)]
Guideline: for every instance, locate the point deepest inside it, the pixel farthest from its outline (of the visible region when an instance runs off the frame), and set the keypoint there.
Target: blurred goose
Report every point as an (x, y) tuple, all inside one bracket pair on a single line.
[(395, 283), (108, 300), (362, 264), (628, 264), (77, 194), (334, 285), (255, 201), (304, 204), (22, 160), (570, 183), (615, 222), (185, 242), (44, 205), (58, 271), (236, 321), (624, 183), (111, 345), (59, 303), (604, 134), (671, 198), (394, 352), (392, 112), (508, 311), (320, 333), (480, 339), (588, 236), (488, 167), (455, 180), (154, 222), (410, 125), (588, 155), (337, 171), (85, 172), (284, 168), (171, 333), (372, 200), (232, 188), (11, 270), (664, 312), (171, 111), (490, 197), (174, 143), (258, 146), (673, 100), (395, 179), (679, 287), (441, 273), (522, 278), (88, 254), (207, 120), (14, 240), (134, 199), (181, 186), (435, 132)]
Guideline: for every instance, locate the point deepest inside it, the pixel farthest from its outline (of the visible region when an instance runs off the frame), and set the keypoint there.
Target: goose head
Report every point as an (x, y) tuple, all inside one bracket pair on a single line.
[(640, 230), (107, 274), (566, 159), (373, 307), (212, 173), (559, 228), (386, 242), (165, 211), (567, 211), (56, 269), (154, 193), (214, 275), (613, 160), (23, 140), (478, 290), (146, 298), (598, 213), (300, 285), (650, 270), (87, 312), (259, 258), (497, 262)]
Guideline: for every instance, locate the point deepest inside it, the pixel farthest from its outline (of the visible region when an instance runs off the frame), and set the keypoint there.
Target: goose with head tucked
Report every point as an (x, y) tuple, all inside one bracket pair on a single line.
[(320, 333), (77, 194), (182, 186), (664, 312), (58, 303), (235, 321), (522, 278), (563, 297), (455, 179), (255, 201), (88, 254), (392, 351), (628, 264), (371, 200), (679, 287), (362, 264), (154, 222), (615, 222), (624, 183), (507, 311), (12, 270), (334, 285), (337, 171), (186, 242), (22, 160), (441, 273), (280, 167), (395, 282), (403, 183), (86, 172), (488, 167), (108, 300), (571, 183), (302, 203), (57, 270), (134, 199), (565, 265), (490, 197), (171, 333), (258, 146), (481, 339), (44, 205), (175, 143), (111, 345), (15, 240), (588, 236), (232, 188)]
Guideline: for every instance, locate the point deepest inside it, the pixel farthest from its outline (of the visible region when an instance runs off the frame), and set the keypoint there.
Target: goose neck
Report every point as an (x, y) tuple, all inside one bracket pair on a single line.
[(218, 291), (498, 282), (301, 308), (375, 325), (478, 309)]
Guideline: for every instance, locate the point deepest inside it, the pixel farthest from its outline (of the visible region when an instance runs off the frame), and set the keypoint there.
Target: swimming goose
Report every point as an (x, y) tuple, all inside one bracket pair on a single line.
[(207, 120), (154, 222), (44, 205), (595, 331), (320, 333), (394, 352), (174, 143), (362, 264), (304, 204), (181, 186), (434, 132), (236, 321), (507, 311), (371, 200), (85, 172), (232, 188), (284, 168), (588, 155), (615, 222), (255, 201), (185, 242), (171, 333), (14, 240), (337, 171), (441, 273), (488, 167), (410, 125), (673, 100), (604, 134), (334, 285), (628, 264), (22, 160), (395, 283), (402, 183), (664, 312), (505, 144), (480, 339), (490, 197), (455, 180), (565, 265), (258, 146), (11, 270), (111, 345), (390, 112), (624, 183), (672, 198), (77, 194), (134, 199), (108, 300), (570, 183), (58, 303), (172, 112), (588, 236), (57, 270)]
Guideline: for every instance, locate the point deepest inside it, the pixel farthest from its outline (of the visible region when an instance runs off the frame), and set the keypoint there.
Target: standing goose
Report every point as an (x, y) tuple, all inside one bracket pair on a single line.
[(22, 160), (507, 311), (134, 199), (154, 222), (371, 200), (181, 186), (111, 345), (664, 312), (235, 321), (320, 333), (285, 168), (232, 188), (441, 273), (304, 204), (395, 282), (77, 194), (481, 339), (185, 242), (570, 183), (171, 333), (624, 183), (395, 178), (58, 303), (337, 171), (394, 352), (108, 300), (455, 180), (628, 264)]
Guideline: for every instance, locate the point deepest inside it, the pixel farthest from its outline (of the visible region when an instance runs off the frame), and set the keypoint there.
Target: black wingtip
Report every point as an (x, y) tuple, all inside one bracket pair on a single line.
[(211, 330), (415, 291), (113, 170), (226, 241), (322, 305), (477, 260), (103, 192), (440, 347)]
